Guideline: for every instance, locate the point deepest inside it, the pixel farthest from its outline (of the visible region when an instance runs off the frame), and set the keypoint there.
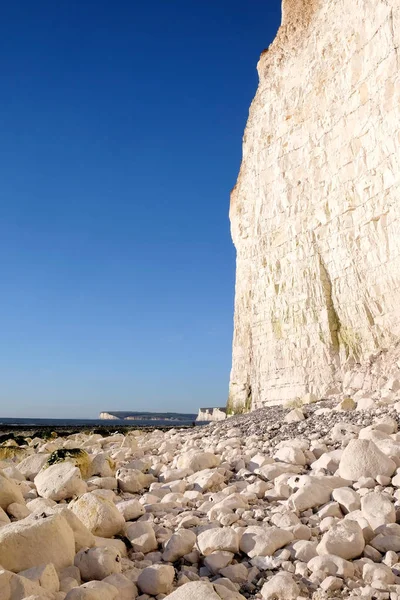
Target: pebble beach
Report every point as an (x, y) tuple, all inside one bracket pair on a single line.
[(279, 504)]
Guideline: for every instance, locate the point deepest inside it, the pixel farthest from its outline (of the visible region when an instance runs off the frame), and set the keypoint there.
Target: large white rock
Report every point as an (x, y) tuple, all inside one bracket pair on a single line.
[(99, 515), (16, 587), (60, 481), (378, 509), (280, 587), (224, 538), (9, 492), (264, 541), (31, 465), (83, 537), (31, 543), (102, 465), (45, 576), (179, 544), (142, 537), (197, 461), (130, 509), (362, 458), (347, 498), (290, 454), (127, 590), (157, 579), (93, 590), (294, 416), (195, 590), (98, 563), (382, 573), (206, 479), (311, 495), (345, 539), (331, 565), (131, 480)]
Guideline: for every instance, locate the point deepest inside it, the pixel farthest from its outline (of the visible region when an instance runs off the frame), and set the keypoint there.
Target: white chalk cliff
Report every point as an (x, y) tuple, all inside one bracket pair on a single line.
[(211, 414), (315, 213)]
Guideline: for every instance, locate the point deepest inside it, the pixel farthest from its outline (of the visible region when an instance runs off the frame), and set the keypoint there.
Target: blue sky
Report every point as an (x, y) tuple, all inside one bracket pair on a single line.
[(121, 127)]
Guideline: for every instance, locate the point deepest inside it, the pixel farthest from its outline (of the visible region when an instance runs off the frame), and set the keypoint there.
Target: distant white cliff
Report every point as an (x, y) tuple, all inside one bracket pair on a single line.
[(211, 414), (108, 417)]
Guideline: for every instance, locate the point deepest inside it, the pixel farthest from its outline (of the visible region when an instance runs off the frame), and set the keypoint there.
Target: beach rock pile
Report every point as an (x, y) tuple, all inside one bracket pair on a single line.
[(281, 504)]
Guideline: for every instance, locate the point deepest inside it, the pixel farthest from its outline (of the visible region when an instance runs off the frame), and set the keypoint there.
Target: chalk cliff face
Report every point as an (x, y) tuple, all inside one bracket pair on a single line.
[(106, 416), (315, 213), (211, 414)]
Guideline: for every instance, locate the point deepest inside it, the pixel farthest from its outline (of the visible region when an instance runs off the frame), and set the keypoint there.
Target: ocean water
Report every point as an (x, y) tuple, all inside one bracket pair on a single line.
[(142, 420)]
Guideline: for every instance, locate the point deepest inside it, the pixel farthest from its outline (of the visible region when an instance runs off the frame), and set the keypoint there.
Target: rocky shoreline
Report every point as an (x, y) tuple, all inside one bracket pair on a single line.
[(281, 504)]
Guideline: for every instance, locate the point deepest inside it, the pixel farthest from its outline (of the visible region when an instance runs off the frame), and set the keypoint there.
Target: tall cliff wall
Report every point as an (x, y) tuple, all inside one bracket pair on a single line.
[(315, 213)]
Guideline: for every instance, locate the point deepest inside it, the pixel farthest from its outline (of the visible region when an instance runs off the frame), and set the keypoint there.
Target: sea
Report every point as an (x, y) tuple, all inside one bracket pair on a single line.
[(160, 420)]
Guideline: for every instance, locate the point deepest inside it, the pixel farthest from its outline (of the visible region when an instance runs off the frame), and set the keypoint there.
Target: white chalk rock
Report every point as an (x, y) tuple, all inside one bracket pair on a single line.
[(38, 505), (83, 537), (218, 560), (60, 482), (215, 539), (311, 495), (127, 590), (259, 460), (237, 573), (328, 461), (179, 544), (45, 576), (331, 565), (4, 518), (117, 544), (271, 472), (13, 473), (16, 587), (378, 509), (362, 458), (99, 515), (291, 455), (93, 590), (303, 550), (18, 511), (347, 498), (142, 537), (31, 465), (294, 416), (9, 492), (280, 587), (102, 465), (206, 479), (157, 579), (331, 584), (131, 480), (264, 541), (98, 563), (365, 403), (373, 572), (344, 539), (194, 590), (48, 540), (130, 509), (197, 461)]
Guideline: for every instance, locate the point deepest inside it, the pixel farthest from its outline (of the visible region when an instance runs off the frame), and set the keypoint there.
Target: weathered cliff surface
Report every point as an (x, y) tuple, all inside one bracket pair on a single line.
[(315, 213)]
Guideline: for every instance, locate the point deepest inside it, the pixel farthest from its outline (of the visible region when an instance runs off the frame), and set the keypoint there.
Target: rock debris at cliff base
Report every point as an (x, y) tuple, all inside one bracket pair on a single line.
[(283, 503), (315, 213)]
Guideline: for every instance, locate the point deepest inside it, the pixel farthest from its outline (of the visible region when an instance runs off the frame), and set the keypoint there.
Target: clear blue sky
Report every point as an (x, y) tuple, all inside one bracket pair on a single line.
[(120, 140)]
